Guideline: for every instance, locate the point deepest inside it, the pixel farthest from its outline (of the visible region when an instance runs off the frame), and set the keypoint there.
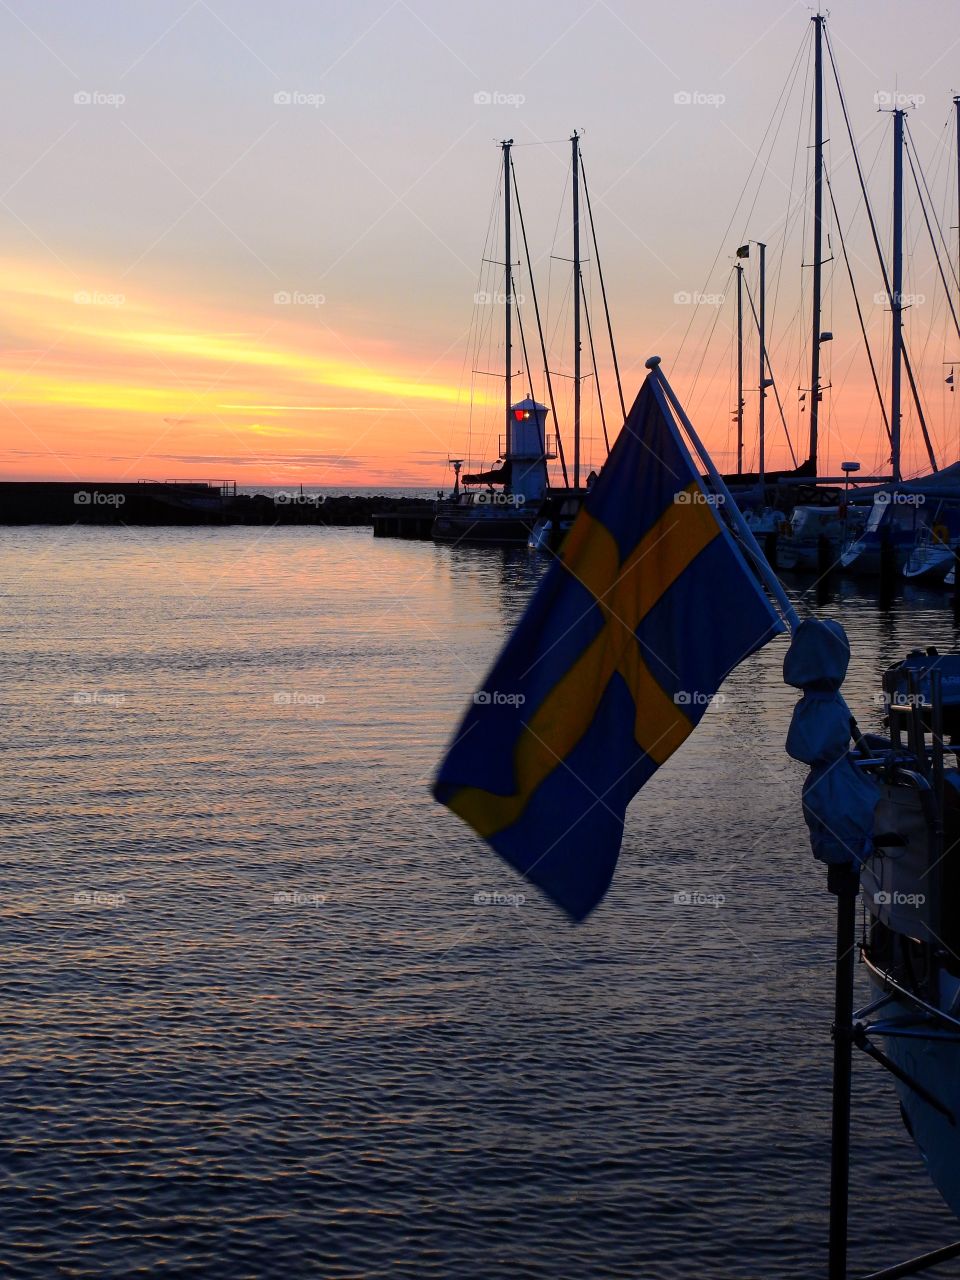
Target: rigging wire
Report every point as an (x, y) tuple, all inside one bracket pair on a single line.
[(876, 240), (543, 348)]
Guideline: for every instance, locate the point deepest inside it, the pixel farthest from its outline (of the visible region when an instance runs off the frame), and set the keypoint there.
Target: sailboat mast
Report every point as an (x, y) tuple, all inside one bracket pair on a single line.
[(817, 237), (575, 145), (956, 107), (896, 293), (739, 270), (762, 326), (507, 293)]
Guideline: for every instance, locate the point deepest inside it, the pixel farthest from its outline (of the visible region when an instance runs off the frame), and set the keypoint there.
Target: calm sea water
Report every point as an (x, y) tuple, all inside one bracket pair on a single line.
[(255, 1022)]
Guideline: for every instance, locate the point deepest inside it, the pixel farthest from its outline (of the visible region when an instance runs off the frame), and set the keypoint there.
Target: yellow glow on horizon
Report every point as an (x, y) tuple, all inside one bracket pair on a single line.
[(100, 371)]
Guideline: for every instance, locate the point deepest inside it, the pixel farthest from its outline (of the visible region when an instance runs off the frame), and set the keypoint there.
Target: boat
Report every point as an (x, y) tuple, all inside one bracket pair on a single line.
[(501, 505), (916, 524), (512, 501), (890, 533), (814, 532), (933, 553), (911, 892)]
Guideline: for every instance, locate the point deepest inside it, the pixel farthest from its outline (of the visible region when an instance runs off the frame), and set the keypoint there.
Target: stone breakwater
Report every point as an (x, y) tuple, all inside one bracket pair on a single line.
[(188, 503)]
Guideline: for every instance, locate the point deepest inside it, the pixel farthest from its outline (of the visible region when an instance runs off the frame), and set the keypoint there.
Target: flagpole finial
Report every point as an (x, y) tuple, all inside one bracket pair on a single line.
[(652, 362)]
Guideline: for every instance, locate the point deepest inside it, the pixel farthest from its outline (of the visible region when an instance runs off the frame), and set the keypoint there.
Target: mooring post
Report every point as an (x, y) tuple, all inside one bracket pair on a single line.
[(843, 881), (888, 564)]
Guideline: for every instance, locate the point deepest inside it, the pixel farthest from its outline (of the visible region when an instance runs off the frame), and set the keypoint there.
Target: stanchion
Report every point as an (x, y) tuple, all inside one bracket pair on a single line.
[(844, 882)]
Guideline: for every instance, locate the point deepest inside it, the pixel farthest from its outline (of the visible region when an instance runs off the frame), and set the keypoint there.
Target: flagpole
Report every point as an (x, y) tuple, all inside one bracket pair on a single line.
[(772, 582)]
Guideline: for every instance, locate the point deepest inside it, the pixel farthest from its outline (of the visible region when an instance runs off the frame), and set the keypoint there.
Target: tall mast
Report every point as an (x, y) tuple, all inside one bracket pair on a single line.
[(508, 292), (896, 293), (575, 145), (817, 236), (956, 105), (739, 270), (762, 326)]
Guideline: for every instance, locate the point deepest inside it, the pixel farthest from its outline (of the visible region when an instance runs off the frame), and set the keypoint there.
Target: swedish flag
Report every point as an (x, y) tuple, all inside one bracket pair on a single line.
[(630, 634)]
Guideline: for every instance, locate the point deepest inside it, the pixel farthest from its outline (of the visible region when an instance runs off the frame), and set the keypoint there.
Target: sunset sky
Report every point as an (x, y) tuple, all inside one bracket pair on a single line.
[(243, 241)]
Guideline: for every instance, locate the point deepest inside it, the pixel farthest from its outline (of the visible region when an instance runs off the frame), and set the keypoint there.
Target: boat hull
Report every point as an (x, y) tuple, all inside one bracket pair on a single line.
[(797, 555), (929, 564), (508, 529), (935, 1066)]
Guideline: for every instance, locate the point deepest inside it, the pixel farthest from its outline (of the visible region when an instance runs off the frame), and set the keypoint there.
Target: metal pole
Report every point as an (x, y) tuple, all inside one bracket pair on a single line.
[(843, 881), (771, 581), (508, 293), (896, 293), (575, 146), (739, 369), (956, 106), (817, 236), (762, 324)]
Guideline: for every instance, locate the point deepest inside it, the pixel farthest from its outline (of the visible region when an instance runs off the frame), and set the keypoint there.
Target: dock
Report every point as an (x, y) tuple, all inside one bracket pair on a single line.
[(409, 522)]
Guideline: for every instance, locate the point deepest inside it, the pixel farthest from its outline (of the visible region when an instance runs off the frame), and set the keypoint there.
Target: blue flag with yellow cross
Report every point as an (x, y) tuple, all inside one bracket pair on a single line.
[(647, 609)]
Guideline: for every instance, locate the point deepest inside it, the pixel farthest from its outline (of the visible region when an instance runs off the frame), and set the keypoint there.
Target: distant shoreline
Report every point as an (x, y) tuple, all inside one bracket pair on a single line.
[(191, 503)]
